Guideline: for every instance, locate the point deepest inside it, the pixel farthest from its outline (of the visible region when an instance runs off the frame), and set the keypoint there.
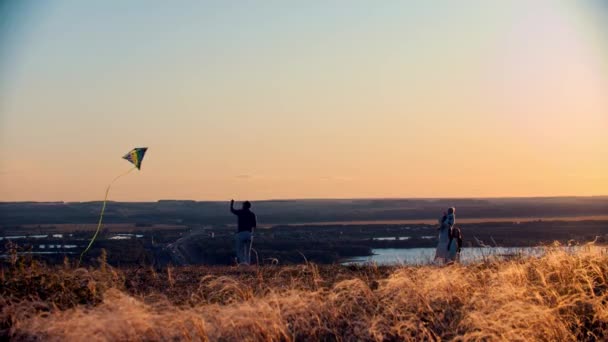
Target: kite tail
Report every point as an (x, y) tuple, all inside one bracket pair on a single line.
[(103, 209)]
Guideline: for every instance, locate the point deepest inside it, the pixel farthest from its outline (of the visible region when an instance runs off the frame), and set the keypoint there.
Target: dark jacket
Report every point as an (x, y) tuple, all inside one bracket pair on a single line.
[(246, 220)]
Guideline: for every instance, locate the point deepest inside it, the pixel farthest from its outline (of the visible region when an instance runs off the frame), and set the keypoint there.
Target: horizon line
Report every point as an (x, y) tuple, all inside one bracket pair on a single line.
[(326, 199)]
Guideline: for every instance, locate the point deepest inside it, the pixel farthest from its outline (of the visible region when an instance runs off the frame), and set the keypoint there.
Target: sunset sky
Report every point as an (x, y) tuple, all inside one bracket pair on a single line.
[(310, 99)]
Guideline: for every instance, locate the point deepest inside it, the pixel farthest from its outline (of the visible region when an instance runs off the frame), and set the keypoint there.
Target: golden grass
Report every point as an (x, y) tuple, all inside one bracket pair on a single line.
[(559, 297)]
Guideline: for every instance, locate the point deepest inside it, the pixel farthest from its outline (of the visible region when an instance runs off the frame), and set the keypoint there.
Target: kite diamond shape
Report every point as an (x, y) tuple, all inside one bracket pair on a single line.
[(136, 156)]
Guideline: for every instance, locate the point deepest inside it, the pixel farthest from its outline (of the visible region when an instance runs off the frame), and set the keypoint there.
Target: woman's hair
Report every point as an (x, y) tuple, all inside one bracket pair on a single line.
[(451, 210)]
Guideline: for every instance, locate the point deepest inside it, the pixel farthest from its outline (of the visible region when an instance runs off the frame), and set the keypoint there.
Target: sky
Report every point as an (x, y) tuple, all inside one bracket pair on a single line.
[(313, 99)]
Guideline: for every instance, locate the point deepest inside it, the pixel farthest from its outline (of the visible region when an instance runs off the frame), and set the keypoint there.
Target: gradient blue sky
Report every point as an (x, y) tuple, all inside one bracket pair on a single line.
[(275, 99)]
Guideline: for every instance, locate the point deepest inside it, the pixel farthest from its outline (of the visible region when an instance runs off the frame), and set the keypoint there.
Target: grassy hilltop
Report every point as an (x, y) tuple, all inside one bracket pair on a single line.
[(559, 297)]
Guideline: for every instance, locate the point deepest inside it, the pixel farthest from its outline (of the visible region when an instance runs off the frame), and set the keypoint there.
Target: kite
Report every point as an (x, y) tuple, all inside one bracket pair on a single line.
[(135, 156)]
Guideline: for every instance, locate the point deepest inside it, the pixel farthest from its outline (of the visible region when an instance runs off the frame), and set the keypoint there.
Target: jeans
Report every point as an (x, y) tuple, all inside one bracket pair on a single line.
[(243, 247)]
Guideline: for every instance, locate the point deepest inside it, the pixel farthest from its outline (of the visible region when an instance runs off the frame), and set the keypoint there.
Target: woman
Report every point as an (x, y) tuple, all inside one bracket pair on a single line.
[(445, 227)]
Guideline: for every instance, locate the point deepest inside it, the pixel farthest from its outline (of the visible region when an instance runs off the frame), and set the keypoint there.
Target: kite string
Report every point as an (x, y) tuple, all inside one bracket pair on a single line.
[(103, 209)]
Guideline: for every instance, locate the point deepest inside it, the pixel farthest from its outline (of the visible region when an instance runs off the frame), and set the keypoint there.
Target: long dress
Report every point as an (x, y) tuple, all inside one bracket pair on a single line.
[(444, 238)]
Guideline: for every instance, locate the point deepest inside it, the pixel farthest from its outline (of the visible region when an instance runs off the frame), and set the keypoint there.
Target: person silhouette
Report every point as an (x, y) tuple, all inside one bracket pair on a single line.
[(454, 245), (442, 253), (246, 223)]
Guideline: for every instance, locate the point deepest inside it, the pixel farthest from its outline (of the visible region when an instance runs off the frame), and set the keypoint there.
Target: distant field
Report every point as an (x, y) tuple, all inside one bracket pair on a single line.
[(130, 227), (458, 220), (317, 212), (112, 227)]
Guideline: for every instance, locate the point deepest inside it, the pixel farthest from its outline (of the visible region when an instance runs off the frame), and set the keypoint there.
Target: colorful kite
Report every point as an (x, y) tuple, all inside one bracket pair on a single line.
[(135, 156)]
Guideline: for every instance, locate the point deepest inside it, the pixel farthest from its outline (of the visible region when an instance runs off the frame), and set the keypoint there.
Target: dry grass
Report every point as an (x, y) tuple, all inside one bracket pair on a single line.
[(559, 297)]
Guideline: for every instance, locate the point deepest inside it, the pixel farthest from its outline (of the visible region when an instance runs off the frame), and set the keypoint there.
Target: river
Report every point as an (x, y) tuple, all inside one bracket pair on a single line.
[(424, 256)]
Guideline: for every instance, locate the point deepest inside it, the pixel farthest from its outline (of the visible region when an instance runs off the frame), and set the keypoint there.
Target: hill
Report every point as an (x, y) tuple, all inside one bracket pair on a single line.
[(558, 297), (298, 211)]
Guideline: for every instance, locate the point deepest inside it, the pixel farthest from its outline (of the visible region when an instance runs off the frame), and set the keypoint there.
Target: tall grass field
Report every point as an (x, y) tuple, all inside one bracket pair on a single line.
[(558, 297)]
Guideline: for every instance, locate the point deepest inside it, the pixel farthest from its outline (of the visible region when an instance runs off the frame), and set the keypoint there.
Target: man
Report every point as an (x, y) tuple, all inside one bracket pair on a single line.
[(246, 224)]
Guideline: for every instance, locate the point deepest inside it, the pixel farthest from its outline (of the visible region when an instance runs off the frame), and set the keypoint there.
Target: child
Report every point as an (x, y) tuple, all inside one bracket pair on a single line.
[(455, 236)]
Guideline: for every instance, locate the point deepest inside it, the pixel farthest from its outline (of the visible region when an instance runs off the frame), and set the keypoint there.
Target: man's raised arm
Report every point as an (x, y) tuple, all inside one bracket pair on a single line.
[(232, 207)]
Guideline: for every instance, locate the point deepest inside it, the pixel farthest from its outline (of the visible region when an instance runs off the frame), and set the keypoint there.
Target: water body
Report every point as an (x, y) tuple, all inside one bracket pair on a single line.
[(119, 236), (425, 256), (5, 256), (56, 246), (14, 237), (38, 236), (125, 236)]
